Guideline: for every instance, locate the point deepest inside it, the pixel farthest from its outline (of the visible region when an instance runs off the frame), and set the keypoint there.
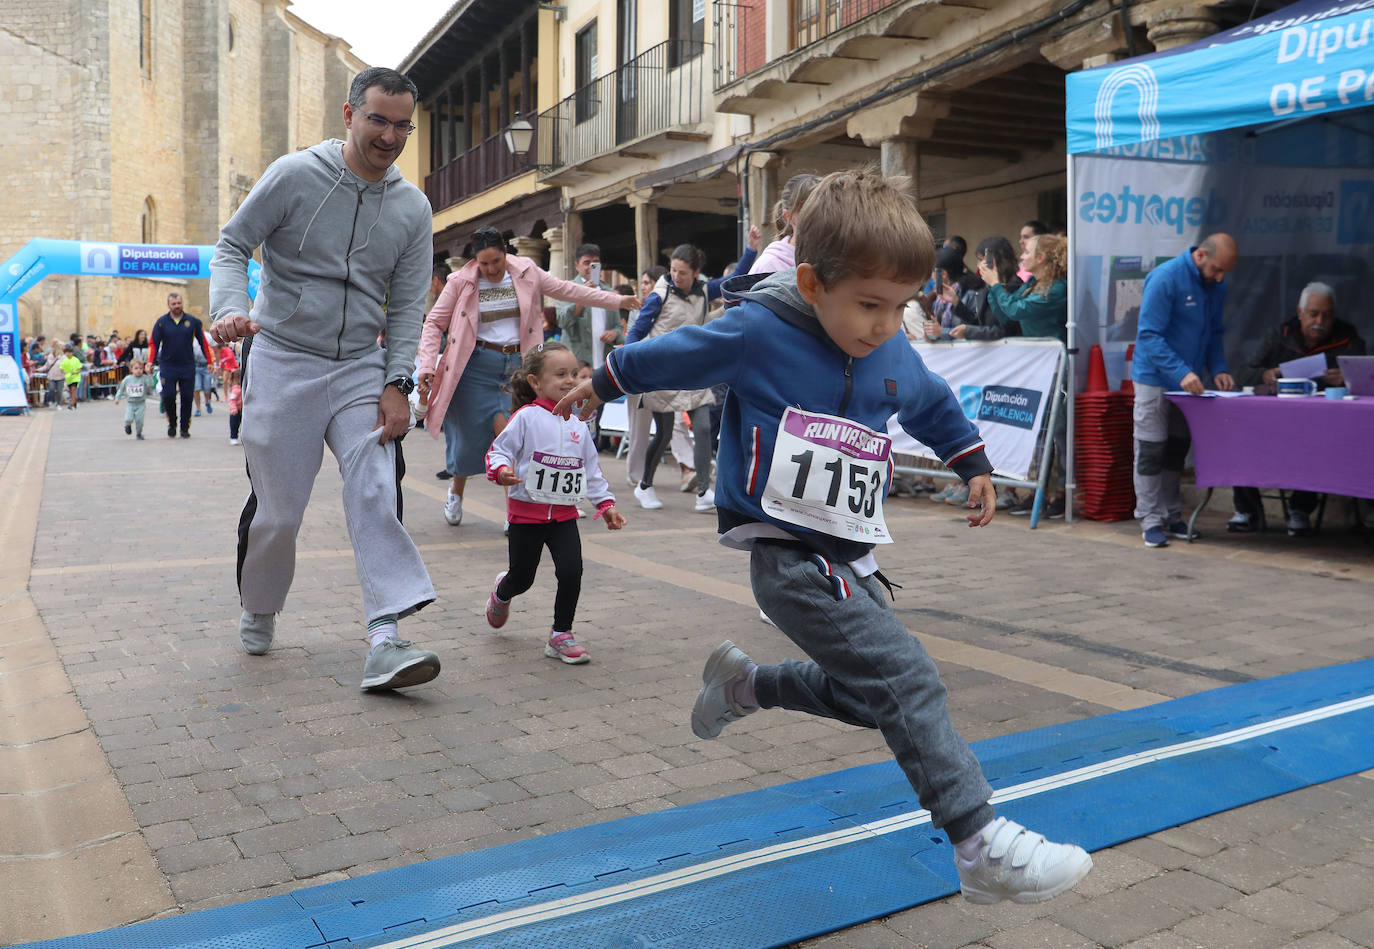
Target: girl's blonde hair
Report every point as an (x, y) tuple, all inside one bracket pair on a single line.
[(792, 199), (522, 393), (1055, 250)]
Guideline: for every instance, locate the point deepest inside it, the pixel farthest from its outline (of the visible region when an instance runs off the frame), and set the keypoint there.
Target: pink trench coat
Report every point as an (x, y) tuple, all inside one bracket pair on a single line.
[(460, 297)]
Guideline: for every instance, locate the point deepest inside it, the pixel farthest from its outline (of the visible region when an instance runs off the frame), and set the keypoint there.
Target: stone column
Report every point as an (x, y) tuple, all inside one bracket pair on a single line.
[(646, 236), (1173, 26), (558, 263), (901, 157), (765, 184), (531, 247), (896, 128), (572, 236)]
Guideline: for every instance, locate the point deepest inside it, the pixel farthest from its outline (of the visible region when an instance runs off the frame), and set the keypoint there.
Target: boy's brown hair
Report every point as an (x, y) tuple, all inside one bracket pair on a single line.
[(863, 224)]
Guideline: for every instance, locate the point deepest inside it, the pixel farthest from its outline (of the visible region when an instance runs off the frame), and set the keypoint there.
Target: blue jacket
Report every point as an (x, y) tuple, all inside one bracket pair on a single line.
[(773, 353), (1180, 328), (648, 314)]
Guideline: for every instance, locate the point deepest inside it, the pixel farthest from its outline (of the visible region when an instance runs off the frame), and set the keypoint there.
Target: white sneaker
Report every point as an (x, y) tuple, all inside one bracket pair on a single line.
[(706, 503), (764, 617), (647, 498), (453, 509), (1019, 865), (233, 441)]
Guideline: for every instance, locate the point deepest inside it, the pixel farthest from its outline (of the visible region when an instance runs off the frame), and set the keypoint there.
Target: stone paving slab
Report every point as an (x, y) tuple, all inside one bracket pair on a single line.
[(249, 776)]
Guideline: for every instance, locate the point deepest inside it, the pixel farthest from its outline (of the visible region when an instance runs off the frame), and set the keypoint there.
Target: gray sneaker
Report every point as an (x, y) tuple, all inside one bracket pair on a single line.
[(395, 665), (255, 632), (714, 709)]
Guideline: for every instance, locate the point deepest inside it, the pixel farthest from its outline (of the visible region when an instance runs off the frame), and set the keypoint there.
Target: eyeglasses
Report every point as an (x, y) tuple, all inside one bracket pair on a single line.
[(380, 122)]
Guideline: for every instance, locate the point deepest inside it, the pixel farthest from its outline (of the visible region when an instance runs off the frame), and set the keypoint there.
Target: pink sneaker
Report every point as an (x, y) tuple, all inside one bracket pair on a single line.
[(563, 646), (498, 610)]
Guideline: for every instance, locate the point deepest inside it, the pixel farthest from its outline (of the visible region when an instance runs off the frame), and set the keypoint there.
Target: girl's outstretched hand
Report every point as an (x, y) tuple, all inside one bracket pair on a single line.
[(506, 476), (613, 518), (585, 394)]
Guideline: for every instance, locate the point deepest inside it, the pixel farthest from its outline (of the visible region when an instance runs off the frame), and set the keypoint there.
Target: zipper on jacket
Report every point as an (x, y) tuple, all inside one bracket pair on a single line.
[(848, 384), (348, 277)]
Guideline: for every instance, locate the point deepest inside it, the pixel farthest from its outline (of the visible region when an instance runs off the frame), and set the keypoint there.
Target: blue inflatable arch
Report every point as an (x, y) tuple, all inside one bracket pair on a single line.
[(41, 257)]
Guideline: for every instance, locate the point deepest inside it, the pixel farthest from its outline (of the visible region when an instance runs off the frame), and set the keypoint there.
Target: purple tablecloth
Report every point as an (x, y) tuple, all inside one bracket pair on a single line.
[(1315, 444)]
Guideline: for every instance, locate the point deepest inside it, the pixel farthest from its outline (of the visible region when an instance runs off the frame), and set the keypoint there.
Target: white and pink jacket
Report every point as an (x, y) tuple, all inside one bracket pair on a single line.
[(534, 428)]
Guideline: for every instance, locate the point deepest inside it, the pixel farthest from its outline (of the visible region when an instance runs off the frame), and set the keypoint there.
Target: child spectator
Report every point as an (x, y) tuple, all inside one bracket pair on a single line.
[(816, 365), (71, 365), (548, 464), (136, 387), (231, 385)]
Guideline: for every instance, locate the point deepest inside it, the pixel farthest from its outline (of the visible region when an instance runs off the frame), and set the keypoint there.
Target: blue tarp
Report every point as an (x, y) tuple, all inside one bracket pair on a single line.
[(1307, 59)]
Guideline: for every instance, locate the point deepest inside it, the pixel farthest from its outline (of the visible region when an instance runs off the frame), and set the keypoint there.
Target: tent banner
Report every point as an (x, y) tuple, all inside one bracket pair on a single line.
[(12, 393), (1302, 69), (1004, 387)]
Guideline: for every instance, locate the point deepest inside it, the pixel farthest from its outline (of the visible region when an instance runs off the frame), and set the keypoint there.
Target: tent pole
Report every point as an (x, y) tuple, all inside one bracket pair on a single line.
[(1070, 469)]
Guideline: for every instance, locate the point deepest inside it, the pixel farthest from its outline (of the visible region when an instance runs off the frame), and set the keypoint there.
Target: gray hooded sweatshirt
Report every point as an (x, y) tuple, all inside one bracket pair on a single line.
[(342, 258)]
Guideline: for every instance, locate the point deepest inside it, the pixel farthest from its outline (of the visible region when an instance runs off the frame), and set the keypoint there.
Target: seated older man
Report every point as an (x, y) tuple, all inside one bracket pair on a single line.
[(1315, 330)]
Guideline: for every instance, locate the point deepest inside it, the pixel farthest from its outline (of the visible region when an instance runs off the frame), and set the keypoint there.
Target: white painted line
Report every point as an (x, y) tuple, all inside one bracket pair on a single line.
[(658, 883)]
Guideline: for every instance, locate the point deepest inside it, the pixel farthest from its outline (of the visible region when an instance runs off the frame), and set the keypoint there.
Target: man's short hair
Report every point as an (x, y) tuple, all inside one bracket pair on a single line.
[(1317, 288), (587, 250), (442, 270), (957, 243), (1037, 226), (389, 81), (864, 224), (172, 296)]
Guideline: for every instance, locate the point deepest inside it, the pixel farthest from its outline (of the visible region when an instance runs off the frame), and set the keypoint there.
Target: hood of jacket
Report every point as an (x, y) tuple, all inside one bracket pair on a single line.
[(779, 293)]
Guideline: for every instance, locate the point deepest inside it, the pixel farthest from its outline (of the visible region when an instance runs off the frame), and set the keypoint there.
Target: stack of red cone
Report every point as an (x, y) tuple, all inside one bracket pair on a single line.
[(1103, 446)]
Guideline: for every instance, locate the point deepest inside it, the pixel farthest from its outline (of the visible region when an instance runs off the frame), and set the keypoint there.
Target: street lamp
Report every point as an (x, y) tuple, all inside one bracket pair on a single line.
[(519, 135)]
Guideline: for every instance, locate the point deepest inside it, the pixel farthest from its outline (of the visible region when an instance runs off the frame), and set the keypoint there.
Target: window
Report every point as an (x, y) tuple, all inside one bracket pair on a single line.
[(145, 37), (686, 30), (148, 223), (584, 71)]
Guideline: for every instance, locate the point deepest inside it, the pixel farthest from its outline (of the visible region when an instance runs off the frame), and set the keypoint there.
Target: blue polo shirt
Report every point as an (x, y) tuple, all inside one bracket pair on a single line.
[(173, 346)]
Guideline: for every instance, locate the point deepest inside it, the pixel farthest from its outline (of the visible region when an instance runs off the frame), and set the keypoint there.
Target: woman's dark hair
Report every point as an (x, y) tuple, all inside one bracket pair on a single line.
[(690, 255), (655, 273), (1003, 257), (521, 392), (141, 336), (485, 237)]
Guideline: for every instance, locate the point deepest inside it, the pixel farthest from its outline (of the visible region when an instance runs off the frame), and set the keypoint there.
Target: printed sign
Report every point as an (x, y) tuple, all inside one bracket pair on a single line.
[(555, 479)]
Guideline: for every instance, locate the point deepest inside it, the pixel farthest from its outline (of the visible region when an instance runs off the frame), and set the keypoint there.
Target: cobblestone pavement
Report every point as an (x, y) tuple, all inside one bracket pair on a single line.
[(248, 776)]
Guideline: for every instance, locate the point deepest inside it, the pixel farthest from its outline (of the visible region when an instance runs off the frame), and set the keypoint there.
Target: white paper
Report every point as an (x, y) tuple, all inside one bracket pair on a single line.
[(1306, 367)]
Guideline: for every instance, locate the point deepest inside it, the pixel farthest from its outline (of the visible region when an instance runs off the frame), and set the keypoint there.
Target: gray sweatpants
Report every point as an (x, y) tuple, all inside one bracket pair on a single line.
[(293, 405), (867, 670), (1161, 447)]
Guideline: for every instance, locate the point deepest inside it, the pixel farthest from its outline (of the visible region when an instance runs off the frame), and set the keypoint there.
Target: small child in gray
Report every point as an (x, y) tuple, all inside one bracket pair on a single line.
[(136, 387)]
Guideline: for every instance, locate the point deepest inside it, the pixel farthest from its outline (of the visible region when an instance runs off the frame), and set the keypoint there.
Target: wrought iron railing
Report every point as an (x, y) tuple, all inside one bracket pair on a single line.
[(659, 90), (477, 169), (740, 30)]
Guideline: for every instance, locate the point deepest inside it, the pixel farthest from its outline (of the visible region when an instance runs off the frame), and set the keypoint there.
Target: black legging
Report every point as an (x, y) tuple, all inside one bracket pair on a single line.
[(526, 543), (170, 389), (701, 445)]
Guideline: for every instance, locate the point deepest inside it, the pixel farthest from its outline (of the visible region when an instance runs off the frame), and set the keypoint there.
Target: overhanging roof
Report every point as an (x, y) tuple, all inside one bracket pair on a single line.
[(469, 27)]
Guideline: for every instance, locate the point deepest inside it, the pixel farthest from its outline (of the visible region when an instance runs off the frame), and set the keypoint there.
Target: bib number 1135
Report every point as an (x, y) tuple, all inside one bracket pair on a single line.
[(829, 474), (555, 479)]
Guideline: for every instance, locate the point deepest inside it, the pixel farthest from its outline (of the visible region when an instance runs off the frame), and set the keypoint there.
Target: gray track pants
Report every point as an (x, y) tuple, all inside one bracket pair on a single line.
[(293, 405), (1161, 447), (867, 670)]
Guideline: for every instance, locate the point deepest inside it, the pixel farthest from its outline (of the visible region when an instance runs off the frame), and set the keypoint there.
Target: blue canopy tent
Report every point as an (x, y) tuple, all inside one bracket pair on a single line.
[(42, 257), (1265, 132)]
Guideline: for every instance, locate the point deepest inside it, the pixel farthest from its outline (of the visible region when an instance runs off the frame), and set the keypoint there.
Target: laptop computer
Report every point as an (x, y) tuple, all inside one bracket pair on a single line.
[(1359, 374)]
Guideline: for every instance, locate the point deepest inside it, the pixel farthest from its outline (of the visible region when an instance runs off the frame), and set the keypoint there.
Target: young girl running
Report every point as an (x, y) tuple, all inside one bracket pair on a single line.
[(549, 464)]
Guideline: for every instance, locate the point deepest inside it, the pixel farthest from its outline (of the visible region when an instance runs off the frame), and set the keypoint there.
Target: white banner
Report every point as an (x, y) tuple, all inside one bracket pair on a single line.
[(12, 393), (1004, 387)]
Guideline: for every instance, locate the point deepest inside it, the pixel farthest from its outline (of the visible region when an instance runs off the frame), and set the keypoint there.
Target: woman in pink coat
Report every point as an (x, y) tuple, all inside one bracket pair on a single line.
[(492, 310)]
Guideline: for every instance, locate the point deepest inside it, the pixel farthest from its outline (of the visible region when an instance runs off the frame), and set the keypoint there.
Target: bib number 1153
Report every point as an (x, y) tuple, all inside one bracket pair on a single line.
[(829, 474)]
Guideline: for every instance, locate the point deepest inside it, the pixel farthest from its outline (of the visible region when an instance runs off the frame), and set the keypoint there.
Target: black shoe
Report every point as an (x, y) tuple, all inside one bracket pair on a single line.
[(443, 475), (1022, 508), (185, 434), (128, 429), (172, 430), (139, 436), (1055, 509)]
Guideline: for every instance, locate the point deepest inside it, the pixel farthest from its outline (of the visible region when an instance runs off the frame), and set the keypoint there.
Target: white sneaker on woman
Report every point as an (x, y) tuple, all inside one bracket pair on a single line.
[(453, 509), (647, 498), (706, 503)]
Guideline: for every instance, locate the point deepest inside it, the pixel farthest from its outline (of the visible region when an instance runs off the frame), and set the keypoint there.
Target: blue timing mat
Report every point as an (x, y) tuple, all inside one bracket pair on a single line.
[(775, 866)]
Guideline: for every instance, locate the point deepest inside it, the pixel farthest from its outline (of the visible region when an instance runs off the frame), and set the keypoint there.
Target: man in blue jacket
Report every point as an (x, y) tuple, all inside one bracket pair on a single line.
[(1179, 341), (176, 334)]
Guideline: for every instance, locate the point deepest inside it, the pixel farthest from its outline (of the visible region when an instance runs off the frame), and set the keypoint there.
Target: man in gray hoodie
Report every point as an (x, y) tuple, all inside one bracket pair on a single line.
[(346, 254)]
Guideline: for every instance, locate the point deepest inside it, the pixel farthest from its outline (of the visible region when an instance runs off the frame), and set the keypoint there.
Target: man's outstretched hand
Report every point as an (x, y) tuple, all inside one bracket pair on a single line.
[(585, 394)]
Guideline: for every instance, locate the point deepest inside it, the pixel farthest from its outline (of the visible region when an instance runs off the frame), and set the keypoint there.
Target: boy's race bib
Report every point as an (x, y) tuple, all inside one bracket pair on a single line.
[(829, 474), (137, 387), (555, 479)]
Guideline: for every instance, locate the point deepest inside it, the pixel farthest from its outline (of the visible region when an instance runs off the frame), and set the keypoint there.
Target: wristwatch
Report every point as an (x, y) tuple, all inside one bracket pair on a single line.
[(405, 385)]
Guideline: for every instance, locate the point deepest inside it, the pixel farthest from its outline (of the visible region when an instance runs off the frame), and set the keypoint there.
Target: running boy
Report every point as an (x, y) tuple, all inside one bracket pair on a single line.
[(71, 366), (135, 387), (816, 365), (548, 464)]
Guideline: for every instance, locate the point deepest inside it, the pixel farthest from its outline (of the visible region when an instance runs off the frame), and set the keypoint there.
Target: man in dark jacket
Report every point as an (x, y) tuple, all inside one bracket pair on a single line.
[(175, 336), (1315, 330)]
